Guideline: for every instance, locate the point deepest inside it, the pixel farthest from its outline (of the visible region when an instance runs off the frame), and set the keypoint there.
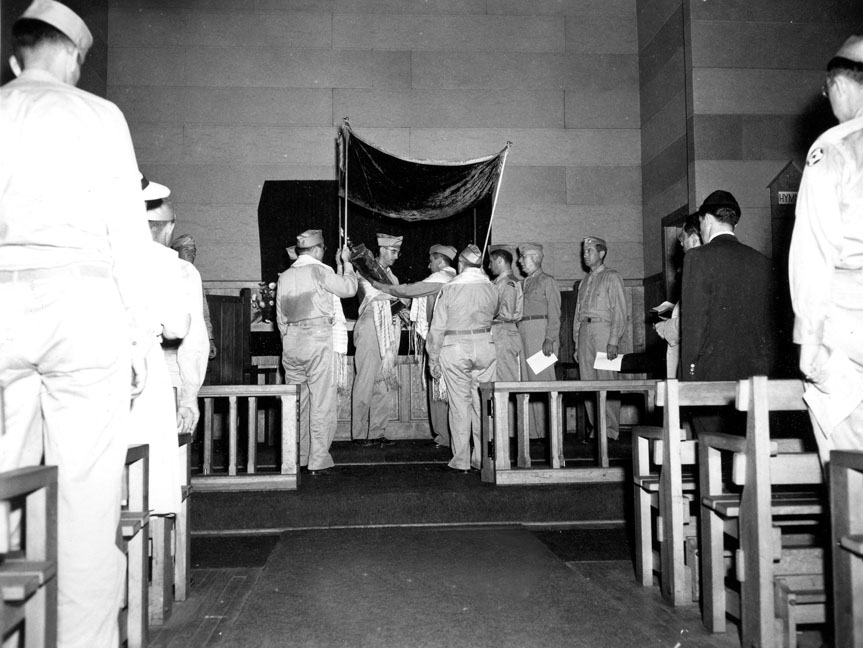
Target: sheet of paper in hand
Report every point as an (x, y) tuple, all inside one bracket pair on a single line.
[(663, 311), (539, 361)]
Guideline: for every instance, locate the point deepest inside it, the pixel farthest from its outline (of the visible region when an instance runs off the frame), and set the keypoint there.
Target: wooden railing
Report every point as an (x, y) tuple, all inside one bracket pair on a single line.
[(495, 396), (287, 477)]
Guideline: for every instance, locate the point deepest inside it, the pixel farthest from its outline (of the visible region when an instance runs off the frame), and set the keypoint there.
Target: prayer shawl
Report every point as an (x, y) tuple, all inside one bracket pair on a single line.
[(340, 330)]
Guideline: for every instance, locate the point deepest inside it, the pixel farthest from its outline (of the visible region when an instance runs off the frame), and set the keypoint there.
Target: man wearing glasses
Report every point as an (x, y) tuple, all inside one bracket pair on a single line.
[(376, 341), (826, 261)]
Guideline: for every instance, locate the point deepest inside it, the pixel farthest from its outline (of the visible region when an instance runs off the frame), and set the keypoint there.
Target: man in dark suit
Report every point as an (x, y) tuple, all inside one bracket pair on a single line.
[(726, 327)]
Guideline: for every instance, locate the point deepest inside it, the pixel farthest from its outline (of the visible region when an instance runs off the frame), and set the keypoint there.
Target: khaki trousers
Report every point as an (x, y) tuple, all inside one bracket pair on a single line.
[(65, 375), (309, 361), (466, 361)]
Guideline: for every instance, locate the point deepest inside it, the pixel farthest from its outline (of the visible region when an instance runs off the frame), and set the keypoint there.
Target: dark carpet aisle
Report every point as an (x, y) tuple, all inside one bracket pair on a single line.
[(424, 588)]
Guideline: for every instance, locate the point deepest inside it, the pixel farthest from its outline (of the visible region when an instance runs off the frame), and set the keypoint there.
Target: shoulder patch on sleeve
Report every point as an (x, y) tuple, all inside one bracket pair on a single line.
[(815, 156)]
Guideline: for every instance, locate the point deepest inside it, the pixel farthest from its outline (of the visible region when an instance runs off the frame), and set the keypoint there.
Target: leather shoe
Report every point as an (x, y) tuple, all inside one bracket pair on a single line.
[(363, 443), (384, 441), (435, 444), (322, 472), (459, 471)]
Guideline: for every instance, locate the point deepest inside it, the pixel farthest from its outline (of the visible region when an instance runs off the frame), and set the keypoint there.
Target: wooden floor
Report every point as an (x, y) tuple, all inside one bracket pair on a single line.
[(218, 596), (215, 602)]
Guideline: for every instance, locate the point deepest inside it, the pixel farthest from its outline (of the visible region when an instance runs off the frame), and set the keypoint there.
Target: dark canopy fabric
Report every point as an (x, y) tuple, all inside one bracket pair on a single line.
[(412, 190)]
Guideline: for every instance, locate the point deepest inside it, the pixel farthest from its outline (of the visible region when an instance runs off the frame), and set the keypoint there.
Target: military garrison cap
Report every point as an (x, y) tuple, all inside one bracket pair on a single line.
[(530, 248), (595, 240), (388, 240), (471, 254), (310, 238), (62, 18), (447, 250)]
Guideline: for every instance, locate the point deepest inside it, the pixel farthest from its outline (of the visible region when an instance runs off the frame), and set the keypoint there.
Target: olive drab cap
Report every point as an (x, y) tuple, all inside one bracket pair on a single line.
[(310, 238), (62, 18), (447, 250), (530, 248), (388, 240), (471, 254), (594, 240)]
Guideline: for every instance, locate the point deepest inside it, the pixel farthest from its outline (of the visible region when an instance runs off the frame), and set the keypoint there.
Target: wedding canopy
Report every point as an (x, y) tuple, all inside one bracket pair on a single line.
[(413, 190)]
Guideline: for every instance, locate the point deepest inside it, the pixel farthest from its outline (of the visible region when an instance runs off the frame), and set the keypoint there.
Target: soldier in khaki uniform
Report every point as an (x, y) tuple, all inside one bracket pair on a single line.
[(424, 294), (504, 328), (309, 306), (599, 323), (461, 350), (826, 260), (539, 326)]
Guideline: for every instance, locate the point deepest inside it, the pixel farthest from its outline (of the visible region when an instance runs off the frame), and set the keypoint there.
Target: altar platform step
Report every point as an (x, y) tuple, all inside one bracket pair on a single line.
[(404, 494)]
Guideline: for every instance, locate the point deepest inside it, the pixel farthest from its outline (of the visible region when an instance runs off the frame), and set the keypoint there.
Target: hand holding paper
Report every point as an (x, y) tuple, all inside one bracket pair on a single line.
[(539, 361), (602, 362)]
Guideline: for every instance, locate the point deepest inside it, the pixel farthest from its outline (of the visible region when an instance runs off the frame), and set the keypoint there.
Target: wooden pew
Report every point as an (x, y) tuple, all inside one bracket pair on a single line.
[(28, 583), (182, 529), (767, 566), (169, 535), (133, 540), (662, 486), (846, 506)]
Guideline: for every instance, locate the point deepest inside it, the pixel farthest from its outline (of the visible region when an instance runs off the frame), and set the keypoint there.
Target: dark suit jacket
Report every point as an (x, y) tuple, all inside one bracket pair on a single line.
[(726, 312)]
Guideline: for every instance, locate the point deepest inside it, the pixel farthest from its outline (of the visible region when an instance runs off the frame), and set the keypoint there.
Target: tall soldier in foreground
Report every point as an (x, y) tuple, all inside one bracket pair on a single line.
[(73, 241), (826, 260)]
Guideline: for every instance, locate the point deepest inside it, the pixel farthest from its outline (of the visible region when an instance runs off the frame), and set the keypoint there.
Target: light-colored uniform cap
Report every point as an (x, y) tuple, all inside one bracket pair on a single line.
[(594, 240), (310, 238), (153, 190), (852, 49), (530, 248), (471, 254), (447, 250), (388, 240), (67, 21)]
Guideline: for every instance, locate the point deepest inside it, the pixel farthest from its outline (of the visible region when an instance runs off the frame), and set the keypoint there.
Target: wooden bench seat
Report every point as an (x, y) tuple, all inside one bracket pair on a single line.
[(133, 540), (846, 532), (170, 544), (28, 574), (777, 576), (664, 493)]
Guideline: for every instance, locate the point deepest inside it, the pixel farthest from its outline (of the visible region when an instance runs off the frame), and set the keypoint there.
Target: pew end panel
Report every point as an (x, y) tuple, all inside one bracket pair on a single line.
[(846, 495)]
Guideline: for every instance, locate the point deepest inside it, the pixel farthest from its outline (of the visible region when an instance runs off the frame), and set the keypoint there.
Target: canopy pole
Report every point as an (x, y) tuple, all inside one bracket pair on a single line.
[(345, 231), (494, 201)]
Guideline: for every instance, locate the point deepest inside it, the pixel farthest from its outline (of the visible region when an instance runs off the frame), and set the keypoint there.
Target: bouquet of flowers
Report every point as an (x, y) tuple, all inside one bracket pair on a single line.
[(265, 300)]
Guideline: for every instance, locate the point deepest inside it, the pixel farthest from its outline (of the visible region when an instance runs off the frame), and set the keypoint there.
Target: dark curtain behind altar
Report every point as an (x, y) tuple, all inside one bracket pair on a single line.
[(288, 207)]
